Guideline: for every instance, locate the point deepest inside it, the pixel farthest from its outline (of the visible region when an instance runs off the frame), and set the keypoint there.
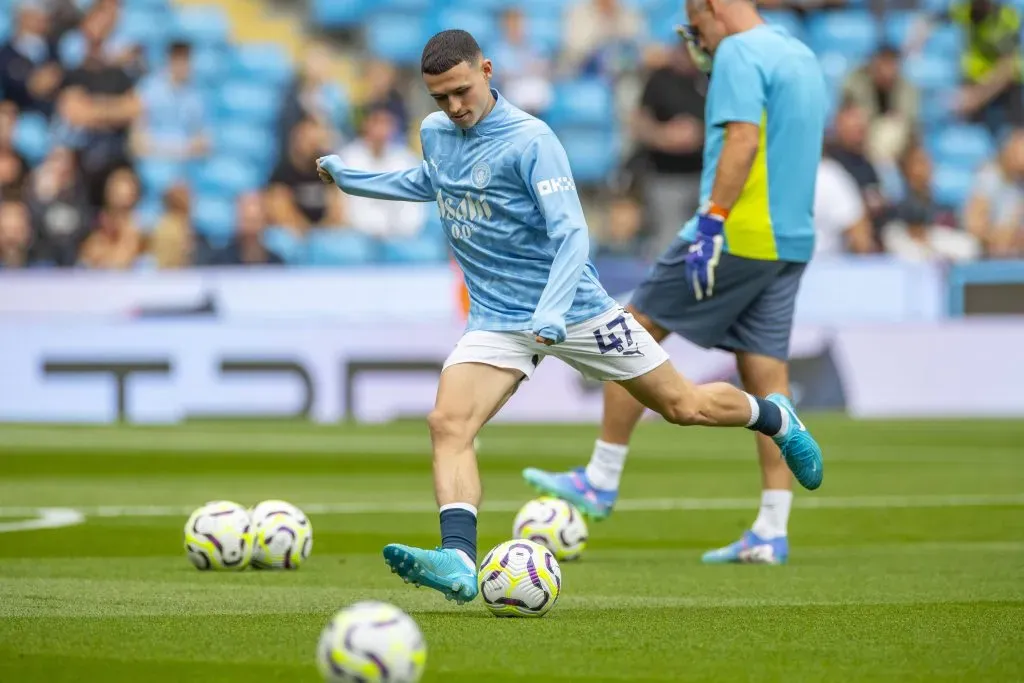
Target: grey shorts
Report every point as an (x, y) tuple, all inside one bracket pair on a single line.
[(751, 308)]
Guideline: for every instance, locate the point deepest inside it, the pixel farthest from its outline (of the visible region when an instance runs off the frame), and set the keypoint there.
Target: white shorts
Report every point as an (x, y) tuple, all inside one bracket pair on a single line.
[(612, 346)]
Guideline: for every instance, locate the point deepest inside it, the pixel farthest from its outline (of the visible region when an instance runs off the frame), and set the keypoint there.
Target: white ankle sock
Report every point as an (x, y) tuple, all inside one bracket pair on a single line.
[(773, 517), (606, 464)]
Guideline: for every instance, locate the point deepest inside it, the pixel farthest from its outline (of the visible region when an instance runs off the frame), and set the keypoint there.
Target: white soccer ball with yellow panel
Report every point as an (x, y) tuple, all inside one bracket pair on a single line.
[(218, 536), (371, 642), (555, 524), (282, 536), (520, 578)]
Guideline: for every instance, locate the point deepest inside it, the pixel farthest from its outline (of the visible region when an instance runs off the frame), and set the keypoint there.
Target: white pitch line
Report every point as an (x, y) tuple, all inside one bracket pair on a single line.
[(43, 518), (632, 505)]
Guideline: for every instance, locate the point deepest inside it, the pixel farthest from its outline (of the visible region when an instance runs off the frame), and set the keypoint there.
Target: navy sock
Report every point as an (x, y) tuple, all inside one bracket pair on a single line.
[(458, 531), (768, 419)]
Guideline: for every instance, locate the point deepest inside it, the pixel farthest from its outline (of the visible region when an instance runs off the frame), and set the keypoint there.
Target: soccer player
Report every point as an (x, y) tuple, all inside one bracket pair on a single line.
[(509, 206), (730, 281)]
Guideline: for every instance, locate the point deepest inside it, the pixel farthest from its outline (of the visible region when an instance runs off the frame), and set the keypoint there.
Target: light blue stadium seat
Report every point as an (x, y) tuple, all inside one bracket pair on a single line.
[(157, 176), (262, 62), (936, 111), (285, 244), (228, 176), (423, 248), (256, 144), (963, 145), (593, 152), (148, 213), (142, 26), (481, 24), (544, 31), (493, 6), (326, 247), (337, 13), (396, 37), (209, 64), (662, 24), (945, 41), (951, 185), (5, 27), (849, 31), (897, 26), (932, 73), (582, 102), (32, 137), (788, 20), (406, 5), (202, 25), (214, 217), (249, 103)]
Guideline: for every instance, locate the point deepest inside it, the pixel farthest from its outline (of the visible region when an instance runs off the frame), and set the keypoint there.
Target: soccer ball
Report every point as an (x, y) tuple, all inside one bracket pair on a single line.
[(520, 578), (555, 524), (282, 536), (371, 642), (218, 536)]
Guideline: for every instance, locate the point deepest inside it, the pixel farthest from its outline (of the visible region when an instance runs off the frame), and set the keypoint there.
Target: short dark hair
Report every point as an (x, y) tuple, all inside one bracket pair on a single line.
[(447, 49), (179, 48)]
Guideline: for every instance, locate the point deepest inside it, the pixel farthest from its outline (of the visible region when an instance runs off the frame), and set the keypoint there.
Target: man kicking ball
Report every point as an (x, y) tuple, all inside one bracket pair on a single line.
[(509, 206), (730, 281)]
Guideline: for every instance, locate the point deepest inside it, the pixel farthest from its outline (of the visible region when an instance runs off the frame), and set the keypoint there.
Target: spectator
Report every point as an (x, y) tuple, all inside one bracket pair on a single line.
[(669, 125), (602, 38), (246, 247), (97, 108), (382, 90), (98, 26), (29, 72), (995, 211), (841, 222), (921, 230), (172, 243), (525, 74), (849, 148), (375, 152), (313, 95), (890, 101), (991, 63), (623, 224), (61, 214), (172, 121), (15, 235), (115, 241), (13, 166), (298, 200)]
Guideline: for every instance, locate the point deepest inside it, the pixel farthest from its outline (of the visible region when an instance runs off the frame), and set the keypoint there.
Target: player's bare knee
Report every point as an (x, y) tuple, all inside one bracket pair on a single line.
[(447, 427)]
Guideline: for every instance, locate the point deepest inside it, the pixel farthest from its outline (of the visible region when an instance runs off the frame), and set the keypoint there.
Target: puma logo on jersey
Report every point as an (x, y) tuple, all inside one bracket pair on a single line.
[(562, 184)]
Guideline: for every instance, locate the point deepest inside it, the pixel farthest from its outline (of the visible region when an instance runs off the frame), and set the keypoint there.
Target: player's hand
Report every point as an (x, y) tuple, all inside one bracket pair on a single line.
[(548, 331), (706, 251), (541, 340), (328, 168)]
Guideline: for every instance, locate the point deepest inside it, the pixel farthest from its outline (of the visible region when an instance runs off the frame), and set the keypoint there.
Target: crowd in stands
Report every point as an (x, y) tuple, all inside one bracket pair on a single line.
[(133, 135)]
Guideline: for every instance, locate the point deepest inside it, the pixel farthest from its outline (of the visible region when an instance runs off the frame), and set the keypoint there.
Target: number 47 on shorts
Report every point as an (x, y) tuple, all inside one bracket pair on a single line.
[(613, 342)]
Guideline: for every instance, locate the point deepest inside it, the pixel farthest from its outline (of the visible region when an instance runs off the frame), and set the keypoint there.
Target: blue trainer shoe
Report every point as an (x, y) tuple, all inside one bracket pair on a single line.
[(801, 451), (442, 569), (750, 549), (574, 487)]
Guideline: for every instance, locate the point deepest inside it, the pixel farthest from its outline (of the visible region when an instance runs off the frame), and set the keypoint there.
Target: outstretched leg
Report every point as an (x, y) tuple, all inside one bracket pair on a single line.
[(468, 395)]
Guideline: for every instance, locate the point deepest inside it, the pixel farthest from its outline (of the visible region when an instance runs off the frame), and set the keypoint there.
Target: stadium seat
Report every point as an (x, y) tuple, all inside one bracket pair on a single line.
[(202, 25), (788, 20), (406, 5), (337, 13), (493, 6), (963, 145), (157, 176), (262, 62), (396, 37), (582, 102), (209, 64), (951, 185), (32, 137), (285, 244), (228, 176), (932, 73), (592, 151), (852, 32), (945, 41), (424, 248), (544, 31), (256, 144), (142, 26), (5, 27), (214, 218), (249, 103), (338, 248), (481, 24), (148, 213)]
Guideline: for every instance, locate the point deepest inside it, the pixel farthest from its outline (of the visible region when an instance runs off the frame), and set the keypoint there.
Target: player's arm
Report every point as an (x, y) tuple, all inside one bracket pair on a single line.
[(410, 185), (545, 170)]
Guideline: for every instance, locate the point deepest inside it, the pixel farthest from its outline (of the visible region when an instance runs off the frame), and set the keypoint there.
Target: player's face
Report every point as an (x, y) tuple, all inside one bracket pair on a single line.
[(463, 92)]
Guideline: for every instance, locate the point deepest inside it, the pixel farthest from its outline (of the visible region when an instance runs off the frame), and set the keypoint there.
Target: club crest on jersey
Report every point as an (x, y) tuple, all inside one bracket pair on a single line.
[(562, 184), (481, 174)]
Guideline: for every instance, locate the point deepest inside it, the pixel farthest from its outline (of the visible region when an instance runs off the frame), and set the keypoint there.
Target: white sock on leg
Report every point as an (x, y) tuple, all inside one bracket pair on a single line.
[(773, 517), (606, 464)]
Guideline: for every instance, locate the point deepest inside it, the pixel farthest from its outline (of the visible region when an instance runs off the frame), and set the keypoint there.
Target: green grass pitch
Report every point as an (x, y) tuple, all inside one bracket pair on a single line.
[(907, 565)]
